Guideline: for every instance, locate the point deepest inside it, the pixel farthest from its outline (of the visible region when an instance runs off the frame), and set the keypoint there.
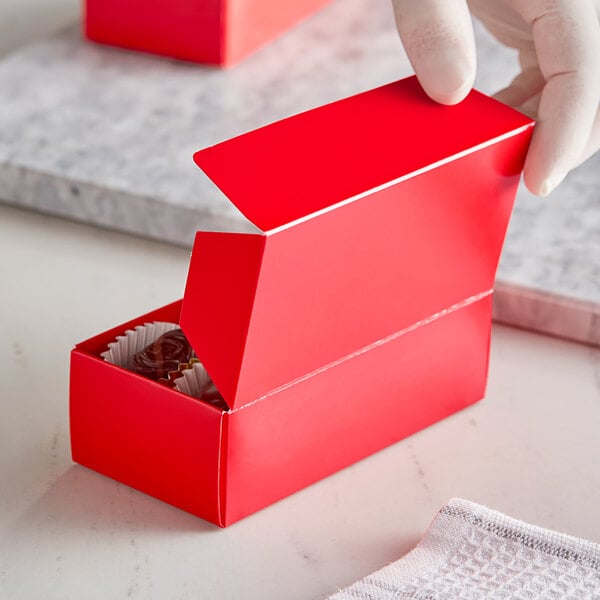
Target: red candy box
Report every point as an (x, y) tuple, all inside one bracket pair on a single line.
[(359, 313), (219, 32)]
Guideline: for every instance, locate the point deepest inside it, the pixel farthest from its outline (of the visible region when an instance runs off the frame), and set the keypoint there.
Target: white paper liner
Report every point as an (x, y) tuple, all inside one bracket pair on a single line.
[(195, 381), (192, 380), (121, 351)]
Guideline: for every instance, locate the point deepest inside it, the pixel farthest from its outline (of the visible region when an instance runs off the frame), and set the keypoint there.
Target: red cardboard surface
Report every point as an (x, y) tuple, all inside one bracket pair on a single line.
[(359, 316), (284, 443), (311, 292), (143, 433), (223, 466), (314, 160), (252, 23), (219, 32)]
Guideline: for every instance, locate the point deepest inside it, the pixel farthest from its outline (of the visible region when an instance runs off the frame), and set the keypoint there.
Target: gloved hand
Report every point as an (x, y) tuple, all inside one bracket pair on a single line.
[(559, 85)]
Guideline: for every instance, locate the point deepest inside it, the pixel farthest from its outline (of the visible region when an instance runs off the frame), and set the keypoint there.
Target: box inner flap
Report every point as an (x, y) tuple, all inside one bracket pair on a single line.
[(306, 163)]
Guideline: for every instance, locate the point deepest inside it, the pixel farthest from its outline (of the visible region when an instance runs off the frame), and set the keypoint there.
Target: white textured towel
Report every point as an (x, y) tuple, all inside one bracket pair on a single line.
[(473, 553)]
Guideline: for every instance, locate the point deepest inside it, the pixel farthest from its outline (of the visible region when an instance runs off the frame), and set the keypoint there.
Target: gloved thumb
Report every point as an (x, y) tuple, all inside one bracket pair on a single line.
[(439, 41)]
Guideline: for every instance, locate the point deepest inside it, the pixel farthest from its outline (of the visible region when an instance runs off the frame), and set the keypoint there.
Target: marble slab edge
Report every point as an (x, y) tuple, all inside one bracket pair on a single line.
[(110, 208), (546, 312)]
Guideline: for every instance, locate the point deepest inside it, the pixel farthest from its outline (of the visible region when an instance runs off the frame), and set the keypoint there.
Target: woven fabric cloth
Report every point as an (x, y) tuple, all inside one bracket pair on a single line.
[(471, 552)]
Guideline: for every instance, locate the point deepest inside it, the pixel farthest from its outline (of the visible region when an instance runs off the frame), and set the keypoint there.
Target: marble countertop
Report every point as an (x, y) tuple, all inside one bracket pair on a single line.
[(529, 449), (105, 136)]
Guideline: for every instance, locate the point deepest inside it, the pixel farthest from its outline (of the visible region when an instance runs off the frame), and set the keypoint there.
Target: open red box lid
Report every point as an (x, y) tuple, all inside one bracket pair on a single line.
[(365, 232)]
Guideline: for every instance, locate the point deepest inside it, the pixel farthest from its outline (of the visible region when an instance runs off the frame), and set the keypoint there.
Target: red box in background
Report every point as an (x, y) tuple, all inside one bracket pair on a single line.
[(219, 32), (360, 315)]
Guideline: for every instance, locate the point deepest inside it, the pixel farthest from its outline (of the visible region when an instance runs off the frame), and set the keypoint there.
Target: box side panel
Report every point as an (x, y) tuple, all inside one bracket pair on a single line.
[(252, 23), (184, 29), (144, 434), (283, 443), (334, 284)]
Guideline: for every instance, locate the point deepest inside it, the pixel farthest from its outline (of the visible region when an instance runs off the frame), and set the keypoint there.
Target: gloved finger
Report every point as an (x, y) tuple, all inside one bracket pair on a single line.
[(531, 106), (438, 38), (593, 144), (567, 40), (525, 85)]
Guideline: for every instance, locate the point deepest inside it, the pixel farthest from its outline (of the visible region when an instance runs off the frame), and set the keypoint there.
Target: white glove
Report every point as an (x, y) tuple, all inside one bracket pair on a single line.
[(559, 51)]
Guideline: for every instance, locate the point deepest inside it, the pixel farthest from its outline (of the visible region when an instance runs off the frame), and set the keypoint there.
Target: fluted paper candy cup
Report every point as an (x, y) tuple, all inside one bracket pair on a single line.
[(196, 382), (190, 376), (153, 350), (174, 375), (121, 351)]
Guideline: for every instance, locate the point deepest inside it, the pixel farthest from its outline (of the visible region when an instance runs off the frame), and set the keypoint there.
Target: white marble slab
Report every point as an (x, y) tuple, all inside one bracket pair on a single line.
[(106, 136)]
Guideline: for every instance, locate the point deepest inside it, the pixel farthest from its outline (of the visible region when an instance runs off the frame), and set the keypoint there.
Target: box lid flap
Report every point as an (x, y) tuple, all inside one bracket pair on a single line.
[(422, 196), (309, 162)]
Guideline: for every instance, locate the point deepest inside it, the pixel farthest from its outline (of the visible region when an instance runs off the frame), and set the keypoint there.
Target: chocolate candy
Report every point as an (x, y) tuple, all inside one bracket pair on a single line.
[(212, 395), (163, 355)]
